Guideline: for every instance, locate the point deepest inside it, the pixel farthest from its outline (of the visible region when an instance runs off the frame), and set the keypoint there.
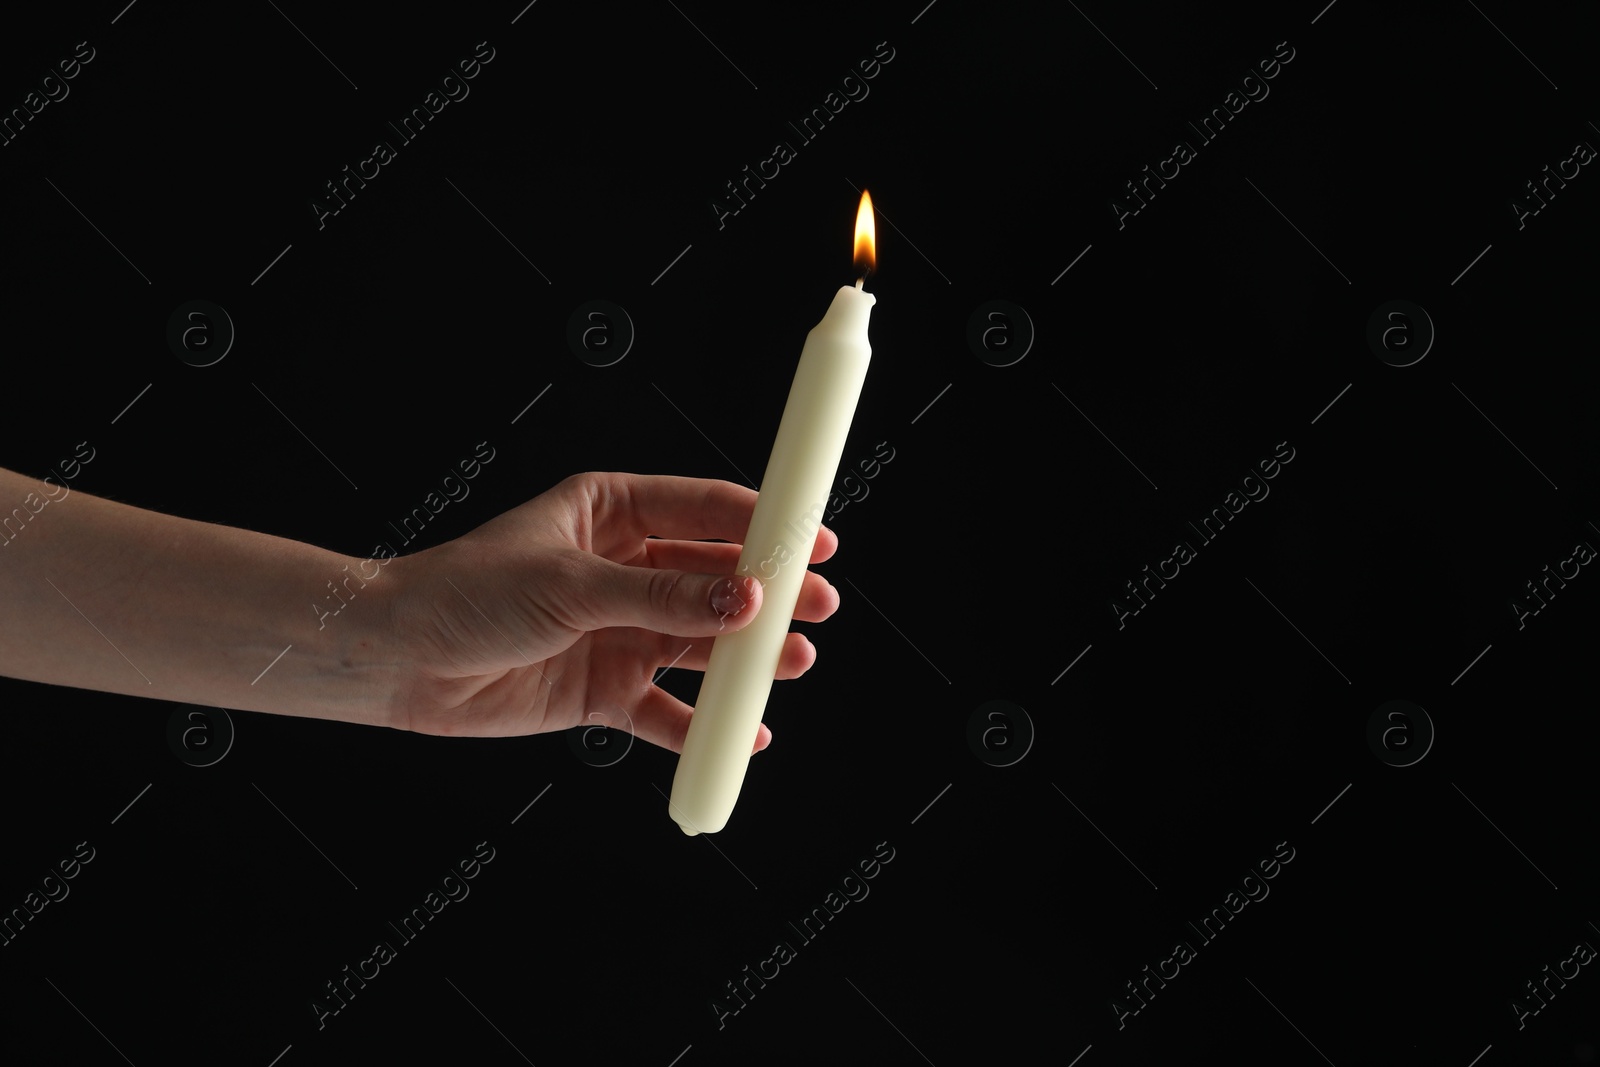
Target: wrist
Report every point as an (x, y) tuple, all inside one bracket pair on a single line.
[(361, 637)]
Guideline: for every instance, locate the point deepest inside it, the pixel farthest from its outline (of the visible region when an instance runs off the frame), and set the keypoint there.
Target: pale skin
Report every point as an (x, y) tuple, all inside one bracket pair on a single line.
[(555, 614)]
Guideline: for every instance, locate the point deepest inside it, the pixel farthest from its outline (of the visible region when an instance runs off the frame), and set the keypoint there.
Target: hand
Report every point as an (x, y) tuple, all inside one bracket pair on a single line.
[(559, 612)]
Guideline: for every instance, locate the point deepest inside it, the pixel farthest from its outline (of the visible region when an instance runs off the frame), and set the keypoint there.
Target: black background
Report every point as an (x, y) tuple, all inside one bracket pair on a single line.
[(1228, 316)]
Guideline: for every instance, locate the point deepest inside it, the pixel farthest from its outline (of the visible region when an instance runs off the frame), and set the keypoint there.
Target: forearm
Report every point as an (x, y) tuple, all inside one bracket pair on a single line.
[(101, 595)]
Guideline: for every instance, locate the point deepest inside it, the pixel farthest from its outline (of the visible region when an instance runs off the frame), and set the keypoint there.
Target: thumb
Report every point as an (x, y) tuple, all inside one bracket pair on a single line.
[(675, 602)]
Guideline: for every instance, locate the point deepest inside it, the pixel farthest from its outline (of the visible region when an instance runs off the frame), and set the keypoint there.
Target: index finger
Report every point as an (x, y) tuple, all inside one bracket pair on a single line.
[(630, 507)]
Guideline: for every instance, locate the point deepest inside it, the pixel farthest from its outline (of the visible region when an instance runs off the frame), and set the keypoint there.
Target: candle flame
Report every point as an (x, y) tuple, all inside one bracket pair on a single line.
[(866, 238)]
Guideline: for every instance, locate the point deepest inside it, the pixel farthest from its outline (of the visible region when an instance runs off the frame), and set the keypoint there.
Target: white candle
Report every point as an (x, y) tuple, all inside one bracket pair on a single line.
[(777, 549)]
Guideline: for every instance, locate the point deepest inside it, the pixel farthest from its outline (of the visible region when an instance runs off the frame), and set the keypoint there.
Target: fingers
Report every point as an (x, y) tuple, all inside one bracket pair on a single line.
[(629, 507), (818, 599), (713, 557), (662, 719), (799, 655)]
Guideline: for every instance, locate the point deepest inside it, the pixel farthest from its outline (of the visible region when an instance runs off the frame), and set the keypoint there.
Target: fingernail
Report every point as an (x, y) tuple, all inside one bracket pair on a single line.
[(729, 596)]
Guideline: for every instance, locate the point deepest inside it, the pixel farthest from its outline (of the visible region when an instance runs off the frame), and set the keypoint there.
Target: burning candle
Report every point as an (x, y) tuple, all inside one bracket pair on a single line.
[(783, 530)]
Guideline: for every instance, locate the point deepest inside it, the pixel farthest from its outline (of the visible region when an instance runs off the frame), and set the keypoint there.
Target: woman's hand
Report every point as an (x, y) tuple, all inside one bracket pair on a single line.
[(559, 612)]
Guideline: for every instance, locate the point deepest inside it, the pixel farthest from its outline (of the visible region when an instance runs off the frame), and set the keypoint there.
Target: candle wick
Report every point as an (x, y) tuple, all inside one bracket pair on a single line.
[(860, 280)]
